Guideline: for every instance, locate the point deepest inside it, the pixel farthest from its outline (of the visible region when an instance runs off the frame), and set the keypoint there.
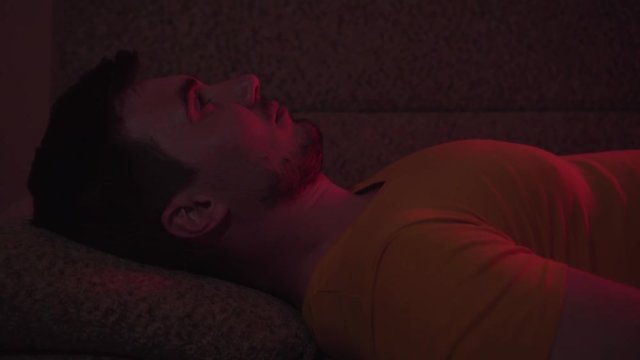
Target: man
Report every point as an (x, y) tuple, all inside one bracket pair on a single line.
[(470, 249)]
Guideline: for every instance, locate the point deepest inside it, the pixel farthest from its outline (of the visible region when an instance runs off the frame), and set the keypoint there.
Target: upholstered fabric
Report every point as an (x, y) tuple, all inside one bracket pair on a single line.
[(375, 55), (61, 298)]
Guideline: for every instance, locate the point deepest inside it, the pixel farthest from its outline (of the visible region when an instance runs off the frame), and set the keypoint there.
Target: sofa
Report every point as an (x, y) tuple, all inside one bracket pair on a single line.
[(381, 79)]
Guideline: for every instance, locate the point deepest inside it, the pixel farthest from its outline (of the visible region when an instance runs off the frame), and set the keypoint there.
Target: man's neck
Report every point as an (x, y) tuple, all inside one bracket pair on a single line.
[(279, 252)]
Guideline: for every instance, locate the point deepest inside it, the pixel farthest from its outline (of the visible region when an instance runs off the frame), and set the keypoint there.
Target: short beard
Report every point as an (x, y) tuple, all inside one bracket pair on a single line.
[(293, 177)]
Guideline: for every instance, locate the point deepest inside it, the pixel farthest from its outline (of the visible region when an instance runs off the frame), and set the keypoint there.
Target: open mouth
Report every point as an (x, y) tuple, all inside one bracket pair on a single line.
[(272, 111)]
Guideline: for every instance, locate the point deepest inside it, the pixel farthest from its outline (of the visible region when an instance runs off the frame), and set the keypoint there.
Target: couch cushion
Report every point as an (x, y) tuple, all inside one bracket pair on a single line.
[(60, 296)]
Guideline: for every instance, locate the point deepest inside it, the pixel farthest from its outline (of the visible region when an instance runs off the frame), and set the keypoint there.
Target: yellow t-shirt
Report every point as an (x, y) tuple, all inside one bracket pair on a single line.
[(463, 252)]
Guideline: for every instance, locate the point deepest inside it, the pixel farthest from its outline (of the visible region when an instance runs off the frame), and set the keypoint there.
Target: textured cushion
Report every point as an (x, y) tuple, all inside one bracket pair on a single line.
[(58, 298)]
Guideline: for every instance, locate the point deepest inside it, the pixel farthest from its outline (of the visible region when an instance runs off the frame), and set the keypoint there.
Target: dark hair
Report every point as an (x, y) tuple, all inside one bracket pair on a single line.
[(92, 184)]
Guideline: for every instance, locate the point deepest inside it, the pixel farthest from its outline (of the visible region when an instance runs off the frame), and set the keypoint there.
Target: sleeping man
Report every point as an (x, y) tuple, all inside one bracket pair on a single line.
[(473, 249)]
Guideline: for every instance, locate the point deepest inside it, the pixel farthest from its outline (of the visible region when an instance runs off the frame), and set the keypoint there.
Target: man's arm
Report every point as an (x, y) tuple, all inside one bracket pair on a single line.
[(600, 320)]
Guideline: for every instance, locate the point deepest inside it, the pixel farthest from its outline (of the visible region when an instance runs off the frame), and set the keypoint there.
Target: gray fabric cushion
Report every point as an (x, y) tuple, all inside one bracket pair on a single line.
[(58, 297)]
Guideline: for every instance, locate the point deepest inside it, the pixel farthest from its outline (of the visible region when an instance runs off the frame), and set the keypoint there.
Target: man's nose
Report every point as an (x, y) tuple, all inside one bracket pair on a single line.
[(243, 90), (247, 89)]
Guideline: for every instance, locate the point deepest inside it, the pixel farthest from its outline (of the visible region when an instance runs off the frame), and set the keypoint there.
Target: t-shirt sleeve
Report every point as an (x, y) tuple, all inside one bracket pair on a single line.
[(452, 290)]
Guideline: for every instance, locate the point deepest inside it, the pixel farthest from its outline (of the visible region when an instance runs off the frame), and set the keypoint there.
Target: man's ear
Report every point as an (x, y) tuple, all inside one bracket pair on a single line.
[(190, 216)]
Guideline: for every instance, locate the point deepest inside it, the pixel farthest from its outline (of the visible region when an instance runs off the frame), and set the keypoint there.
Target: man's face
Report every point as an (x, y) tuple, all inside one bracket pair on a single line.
[(231, 139)]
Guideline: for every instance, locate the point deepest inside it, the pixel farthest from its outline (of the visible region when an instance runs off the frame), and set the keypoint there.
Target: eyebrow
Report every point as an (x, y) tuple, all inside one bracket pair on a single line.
[(185, 89)]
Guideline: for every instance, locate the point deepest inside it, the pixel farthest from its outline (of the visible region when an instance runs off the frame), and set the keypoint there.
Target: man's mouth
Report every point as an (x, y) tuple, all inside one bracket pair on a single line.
[(283, 113), (272, 110)]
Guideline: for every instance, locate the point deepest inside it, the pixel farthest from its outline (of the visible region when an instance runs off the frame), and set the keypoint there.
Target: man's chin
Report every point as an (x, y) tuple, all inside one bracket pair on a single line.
[(297, 174)]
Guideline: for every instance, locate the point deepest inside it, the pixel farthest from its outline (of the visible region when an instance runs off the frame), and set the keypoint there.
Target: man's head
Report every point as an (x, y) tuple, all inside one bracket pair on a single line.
[(148, 169)]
